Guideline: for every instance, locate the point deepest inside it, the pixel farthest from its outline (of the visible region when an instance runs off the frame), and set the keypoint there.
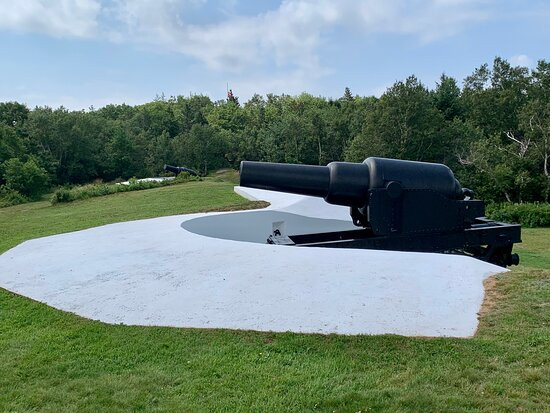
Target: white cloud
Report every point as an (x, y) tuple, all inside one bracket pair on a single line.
[(60, 18), (289, 37), (521, 60)]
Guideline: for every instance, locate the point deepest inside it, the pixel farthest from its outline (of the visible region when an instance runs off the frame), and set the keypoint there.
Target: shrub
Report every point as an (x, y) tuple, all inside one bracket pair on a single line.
[(27, 178), (63, 195), (9, 197), (67, 194), (530, 215)]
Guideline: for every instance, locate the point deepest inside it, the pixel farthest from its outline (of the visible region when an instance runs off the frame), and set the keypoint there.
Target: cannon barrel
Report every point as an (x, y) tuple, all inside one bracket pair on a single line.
[(347, 183), (179, 169)]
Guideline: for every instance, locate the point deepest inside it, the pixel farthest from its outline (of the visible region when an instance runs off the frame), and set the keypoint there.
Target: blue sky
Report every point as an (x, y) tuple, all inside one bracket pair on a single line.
[(79, 53)]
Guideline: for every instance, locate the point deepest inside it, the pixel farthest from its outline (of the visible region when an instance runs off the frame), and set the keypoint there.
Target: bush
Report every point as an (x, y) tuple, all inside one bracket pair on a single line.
[(530, 215), (67, 194), (27, 178), (9, 197)]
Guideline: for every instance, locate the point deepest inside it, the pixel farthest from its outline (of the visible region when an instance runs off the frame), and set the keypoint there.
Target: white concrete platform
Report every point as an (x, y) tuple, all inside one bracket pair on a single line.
[(215, 271), (155, 179)]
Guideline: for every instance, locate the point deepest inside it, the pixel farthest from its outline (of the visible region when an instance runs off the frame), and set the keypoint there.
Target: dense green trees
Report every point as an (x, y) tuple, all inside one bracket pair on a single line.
[(504, 104), (27, 178), (11, 144), (405, 123), (494, 132)]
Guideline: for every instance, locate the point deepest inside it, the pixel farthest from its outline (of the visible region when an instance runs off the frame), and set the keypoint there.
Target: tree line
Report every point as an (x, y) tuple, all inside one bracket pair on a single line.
[(494, 132)]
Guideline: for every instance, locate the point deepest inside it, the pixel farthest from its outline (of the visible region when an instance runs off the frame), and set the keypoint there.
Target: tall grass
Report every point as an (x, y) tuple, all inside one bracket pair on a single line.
[(93, 190)]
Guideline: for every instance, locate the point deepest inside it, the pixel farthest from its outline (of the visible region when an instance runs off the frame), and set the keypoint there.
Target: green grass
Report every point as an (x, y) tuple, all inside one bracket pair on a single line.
[(54, 361), (535, 250)]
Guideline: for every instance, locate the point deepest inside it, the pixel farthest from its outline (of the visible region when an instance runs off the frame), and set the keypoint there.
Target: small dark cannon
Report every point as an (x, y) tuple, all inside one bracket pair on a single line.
[(179, 169), (399, 205)]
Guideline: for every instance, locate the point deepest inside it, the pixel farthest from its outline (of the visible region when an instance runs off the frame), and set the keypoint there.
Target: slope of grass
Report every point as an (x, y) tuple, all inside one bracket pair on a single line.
[(55, 361)]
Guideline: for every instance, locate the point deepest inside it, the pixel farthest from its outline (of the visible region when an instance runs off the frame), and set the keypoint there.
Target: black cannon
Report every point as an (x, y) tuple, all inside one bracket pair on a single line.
[(179, 169), (399, 205)]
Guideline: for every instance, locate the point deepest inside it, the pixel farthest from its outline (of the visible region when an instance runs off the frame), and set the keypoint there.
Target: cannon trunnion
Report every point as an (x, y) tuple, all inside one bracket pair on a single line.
[(399, 205)]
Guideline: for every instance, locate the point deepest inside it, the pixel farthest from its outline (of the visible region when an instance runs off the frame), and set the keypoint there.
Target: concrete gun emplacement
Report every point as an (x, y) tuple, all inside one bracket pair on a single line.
[(398, 205)]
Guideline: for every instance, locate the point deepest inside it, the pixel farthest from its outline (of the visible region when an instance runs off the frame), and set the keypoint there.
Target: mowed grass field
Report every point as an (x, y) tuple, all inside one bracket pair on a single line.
[(54, 361)]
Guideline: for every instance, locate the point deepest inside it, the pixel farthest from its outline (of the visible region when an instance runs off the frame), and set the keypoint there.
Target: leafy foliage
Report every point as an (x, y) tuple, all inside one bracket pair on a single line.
[(10, 197), (404, 124), (529, 215), (27, 178), (11, 144)]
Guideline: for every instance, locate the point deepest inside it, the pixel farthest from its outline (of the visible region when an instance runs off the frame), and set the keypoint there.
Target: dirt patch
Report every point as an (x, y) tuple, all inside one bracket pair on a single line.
[(239, 207), (492, 295)]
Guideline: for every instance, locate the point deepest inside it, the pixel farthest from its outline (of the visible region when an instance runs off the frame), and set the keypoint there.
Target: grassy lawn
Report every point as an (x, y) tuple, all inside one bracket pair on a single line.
[(55, 361)]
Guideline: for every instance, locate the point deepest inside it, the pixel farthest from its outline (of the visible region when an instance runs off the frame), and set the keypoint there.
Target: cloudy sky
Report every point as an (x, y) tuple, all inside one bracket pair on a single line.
[(79, 53)]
